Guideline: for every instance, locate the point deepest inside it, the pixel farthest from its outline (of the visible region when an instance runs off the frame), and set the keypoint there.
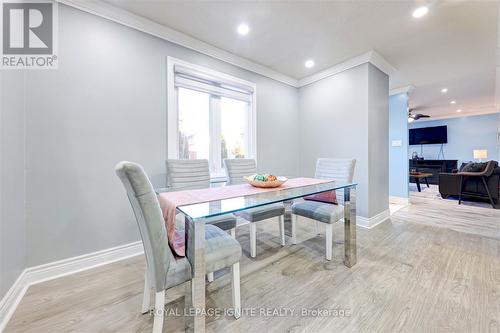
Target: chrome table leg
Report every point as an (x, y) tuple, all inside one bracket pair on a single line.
[(350, 227), (195, 252)]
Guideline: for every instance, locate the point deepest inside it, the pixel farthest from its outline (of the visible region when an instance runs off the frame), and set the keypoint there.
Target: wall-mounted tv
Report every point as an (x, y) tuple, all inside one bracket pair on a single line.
[(429, 135)]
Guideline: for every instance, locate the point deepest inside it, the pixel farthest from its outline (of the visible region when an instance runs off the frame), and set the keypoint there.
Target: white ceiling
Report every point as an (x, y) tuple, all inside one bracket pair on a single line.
[(454, 46)]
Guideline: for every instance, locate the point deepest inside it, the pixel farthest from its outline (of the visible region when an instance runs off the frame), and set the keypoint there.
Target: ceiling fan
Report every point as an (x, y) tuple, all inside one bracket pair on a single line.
[(412, 117)]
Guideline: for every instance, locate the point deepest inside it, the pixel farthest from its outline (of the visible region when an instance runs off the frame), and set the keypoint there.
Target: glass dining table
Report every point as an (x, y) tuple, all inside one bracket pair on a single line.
[(195, 214)]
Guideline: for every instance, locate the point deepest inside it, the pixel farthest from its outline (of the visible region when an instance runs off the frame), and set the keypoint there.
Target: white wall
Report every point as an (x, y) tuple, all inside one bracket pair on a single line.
[(107, 103), (346, 116), (12, 179)]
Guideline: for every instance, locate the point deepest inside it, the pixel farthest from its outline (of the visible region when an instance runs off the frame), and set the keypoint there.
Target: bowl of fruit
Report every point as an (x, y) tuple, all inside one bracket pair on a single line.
[(265, 180)]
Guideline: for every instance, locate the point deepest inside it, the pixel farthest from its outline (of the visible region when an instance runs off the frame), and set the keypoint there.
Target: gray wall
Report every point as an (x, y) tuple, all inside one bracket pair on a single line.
[(12, 179), (345, 116), (378, 141), (106, 103), (64, 130)]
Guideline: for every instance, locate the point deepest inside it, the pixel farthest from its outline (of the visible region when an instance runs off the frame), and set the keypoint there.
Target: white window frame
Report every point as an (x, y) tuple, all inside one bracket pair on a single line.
[(173, 112)]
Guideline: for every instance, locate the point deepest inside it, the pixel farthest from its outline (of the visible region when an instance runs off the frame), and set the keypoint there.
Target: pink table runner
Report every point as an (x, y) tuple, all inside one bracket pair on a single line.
[(169, 201)]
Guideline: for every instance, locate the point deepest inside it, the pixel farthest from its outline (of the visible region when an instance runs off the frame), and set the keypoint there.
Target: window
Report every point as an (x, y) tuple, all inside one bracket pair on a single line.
[(211, 115)]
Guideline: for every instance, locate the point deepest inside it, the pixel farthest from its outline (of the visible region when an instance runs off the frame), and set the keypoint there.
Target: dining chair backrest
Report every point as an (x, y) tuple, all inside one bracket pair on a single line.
[(339, 169), (149, 218), (237, 168), (188, 174)]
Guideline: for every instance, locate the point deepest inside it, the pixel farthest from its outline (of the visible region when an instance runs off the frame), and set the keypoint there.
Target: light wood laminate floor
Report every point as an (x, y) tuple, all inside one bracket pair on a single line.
[(432, 192), (433, 267)]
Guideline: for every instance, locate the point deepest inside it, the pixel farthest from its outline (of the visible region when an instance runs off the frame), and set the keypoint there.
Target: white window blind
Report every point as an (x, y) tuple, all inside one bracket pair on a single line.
[(197, 80), (211, 115)]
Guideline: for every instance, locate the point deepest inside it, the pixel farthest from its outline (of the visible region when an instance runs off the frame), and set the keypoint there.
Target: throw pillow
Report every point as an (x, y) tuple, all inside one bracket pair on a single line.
[(474, 167), (463, 166), (326, 197)]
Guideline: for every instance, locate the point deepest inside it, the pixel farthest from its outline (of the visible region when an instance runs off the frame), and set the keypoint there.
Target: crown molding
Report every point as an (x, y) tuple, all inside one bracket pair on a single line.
[(126, 18), (458, 115), (372, 57), (381, 63), (121, 16), (406, 89)]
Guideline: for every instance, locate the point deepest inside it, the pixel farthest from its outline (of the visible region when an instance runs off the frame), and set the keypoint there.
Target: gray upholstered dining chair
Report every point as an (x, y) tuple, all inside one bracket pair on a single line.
[(192, 175), (235, 170), (339, 169), (163, 269)]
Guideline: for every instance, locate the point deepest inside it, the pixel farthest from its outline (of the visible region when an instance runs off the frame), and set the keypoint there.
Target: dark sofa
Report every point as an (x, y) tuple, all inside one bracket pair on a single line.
[(473, 187)]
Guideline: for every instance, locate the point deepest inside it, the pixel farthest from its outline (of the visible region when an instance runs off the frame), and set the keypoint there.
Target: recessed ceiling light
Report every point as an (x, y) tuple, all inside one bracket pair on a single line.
[(243, 29), (444, 90), (420, 12), (459, 110), (309, 63), (453, 102)]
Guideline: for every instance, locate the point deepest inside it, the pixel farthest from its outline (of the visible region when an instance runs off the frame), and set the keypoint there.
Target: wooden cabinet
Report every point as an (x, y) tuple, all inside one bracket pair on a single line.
[(435, 167)]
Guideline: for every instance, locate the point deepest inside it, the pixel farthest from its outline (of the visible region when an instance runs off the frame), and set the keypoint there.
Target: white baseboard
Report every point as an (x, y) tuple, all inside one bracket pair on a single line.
[(364, 222), (11, 300), (399, 200), (73, 265), (371, 222), (53, 270)]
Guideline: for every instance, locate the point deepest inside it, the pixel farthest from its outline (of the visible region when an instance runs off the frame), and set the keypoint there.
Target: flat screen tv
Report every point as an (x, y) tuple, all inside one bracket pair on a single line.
[(429, 135)]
